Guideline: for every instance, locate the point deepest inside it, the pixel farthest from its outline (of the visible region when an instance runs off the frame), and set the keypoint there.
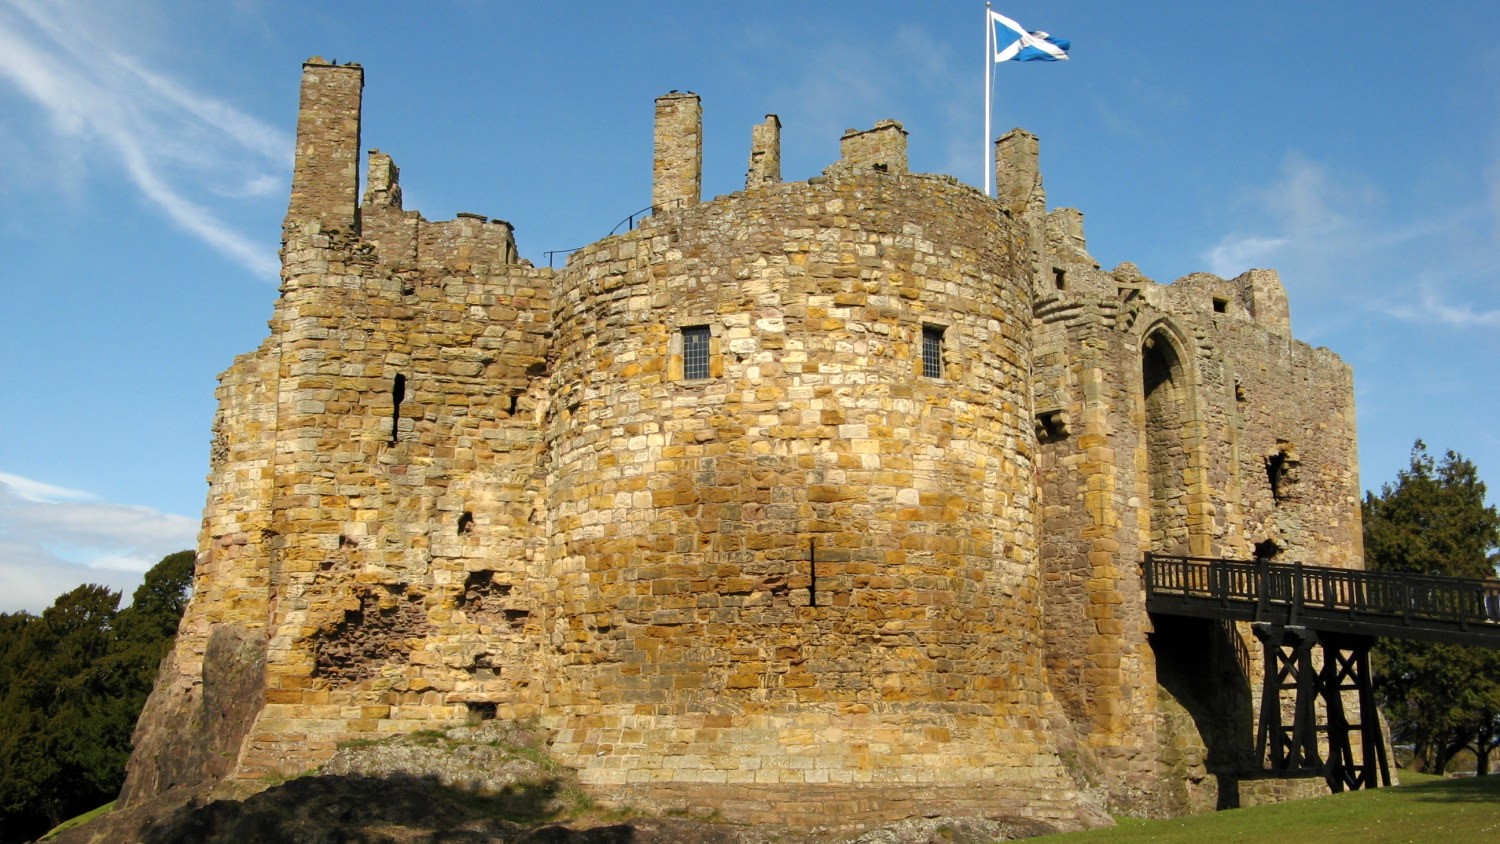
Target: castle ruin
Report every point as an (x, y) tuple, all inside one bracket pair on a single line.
[(819, 503)]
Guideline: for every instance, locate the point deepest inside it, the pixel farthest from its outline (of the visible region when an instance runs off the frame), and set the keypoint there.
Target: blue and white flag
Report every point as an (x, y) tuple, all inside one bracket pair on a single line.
[(1023, 46)]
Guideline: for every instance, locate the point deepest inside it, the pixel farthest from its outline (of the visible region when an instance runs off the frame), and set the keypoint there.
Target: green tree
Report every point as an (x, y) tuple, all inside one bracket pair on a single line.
[(120, 681), (41, 751), (72, 683), (1434, 520)]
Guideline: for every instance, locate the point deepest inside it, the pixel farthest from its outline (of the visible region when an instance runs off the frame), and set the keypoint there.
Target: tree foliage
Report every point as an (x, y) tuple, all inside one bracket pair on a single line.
[(72, 682), (1434, 520)]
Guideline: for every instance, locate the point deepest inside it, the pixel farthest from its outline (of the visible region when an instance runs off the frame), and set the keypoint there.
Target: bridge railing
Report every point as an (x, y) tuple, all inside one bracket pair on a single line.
[(1289, 590)]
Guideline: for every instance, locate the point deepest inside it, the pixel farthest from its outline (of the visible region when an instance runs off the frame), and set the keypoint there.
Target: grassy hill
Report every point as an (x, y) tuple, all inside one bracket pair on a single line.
[(1427, 809), (353, 808)]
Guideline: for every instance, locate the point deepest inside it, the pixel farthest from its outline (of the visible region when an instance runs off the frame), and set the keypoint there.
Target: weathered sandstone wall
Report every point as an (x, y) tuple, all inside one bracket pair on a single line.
[(821, 503)]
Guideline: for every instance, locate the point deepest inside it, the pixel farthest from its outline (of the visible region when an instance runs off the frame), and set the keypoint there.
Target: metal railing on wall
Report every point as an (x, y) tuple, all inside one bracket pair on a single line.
[(628, 223)]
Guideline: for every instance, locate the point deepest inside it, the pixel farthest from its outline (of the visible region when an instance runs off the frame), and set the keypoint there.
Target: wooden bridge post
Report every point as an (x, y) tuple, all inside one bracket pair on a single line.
[(1288, 666), (1346, 668), (1262, 587)]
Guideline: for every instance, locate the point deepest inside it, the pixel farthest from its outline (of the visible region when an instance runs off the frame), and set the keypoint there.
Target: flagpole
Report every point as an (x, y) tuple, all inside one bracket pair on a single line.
[(989, 84)]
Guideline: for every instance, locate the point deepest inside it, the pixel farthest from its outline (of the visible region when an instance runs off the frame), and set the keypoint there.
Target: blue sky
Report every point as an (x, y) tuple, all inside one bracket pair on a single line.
[(145, 155)]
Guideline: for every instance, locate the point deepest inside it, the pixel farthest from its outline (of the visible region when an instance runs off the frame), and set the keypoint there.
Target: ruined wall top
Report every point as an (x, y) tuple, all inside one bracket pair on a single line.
[(1018, 174), (765, 153), (325, 176), (382, 182), (881, 149), (677, 167)]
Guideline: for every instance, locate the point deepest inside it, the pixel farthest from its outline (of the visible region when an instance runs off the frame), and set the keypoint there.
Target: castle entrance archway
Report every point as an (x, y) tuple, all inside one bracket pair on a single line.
[(1203, 695), (1164, 380)]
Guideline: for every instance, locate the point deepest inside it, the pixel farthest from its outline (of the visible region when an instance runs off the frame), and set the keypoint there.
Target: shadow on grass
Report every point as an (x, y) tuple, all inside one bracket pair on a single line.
[(378, 810), (1458, 790)]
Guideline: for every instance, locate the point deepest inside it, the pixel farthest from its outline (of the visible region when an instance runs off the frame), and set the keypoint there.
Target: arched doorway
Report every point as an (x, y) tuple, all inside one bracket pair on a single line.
[(1203, 694), (1168, 412)]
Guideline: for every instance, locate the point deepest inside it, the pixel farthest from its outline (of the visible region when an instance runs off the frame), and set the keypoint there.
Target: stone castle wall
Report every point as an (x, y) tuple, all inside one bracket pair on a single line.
[(823, 502), (761, 557)]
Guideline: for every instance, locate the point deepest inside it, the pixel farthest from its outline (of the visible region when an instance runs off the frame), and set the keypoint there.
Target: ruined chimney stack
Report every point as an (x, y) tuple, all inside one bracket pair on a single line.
[(765, 153), (881, 149), (1264, 297), (325, 177), (1018, 174), (382, 182), (677, 171)]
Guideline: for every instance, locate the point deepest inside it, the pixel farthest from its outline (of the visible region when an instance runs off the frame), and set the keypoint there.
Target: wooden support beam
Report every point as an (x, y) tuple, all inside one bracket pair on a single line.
[(1292, 666)]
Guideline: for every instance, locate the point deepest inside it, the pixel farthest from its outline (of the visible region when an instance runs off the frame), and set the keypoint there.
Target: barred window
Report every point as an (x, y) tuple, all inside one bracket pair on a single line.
[(695, 339), (932, 351)]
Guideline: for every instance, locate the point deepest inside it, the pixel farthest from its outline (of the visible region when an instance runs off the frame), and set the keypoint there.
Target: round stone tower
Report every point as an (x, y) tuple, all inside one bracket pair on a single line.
[(792, 503)]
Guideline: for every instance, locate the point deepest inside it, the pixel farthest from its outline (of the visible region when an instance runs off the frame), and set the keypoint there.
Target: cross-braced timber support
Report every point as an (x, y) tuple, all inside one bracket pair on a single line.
[(1291, 667)]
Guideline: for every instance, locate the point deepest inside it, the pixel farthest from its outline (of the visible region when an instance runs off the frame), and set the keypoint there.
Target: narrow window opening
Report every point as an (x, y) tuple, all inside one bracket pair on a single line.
[(514, 397), (465, 523), (932, 351), (695, 343), (1060, 278), (398, 395), (1220, 305)]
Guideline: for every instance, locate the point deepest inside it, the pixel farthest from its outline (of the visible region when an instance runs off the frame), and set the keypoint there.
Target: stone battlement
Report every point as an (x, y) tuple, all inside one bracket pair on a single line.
[(820, 495)]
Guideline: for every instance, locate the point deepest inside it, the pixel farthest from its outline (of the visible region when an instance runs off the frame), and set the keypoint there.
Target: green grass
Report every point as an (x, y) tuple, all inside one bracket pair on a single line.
[(83, 818), (1423, 809)]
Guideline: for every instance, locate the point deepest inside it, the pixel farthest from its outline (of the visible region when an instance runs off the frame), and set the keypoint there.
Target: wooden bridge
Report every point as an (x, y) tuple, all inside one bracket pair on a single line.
[(1298, 610)]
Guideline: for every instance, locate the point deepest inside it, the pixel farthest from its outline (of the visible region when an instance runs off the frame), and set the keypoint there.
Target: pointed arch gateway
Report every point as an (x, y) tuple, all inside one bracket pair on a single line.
[(1202, 685), (1169, 442)]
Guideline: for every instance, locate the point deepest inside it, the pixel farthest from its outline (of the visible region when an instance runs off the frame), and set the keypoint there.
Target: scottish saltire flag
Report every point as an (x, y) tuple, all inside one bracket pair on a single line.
[(1022, 46)]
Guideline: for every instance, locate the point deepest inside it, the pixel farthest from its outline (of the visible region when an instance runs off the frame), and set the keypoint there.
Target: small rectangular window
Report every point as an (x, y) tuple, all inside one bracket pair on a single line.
[(1060, 278), (932, 351), (1220, 305), (695, 339)]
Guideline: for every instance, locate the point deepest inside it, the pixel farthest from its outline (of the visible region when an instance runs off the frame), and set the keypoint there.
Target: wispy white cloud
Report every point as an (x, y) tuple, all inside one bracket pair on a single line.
[(1336, 231), (844, 80), (53, 538), (853, 84), (176, 146), (31, 579), (1310, 214), (1432, 308), (1237, 253), (35, 491)]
